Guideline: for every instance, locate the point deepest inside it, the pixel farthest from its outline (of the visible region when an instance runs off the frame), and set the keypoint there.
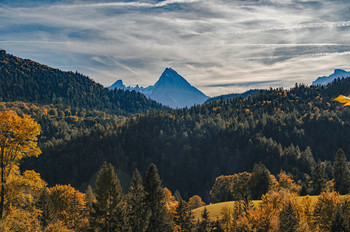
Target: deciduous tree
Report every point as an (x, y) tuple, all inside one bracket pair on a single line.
[(18, 139)]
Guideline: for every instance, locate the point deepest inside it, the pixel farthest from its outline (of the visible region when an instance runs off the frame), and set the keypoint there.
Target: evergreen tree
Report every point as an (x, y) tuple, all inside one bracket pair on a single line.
[(341, 173), (108, 213), (183, 217), (217, 227), (339, 224), (318, 178), (89, 198), (205, 224), (160, 220), (138, 213), (44, 205), (288, 219)]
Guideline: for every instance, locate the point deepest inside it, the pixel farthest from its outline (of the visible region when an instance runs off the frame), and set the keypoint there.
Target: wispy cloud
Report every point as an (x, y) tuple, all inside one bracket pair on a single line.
[(212, 43)]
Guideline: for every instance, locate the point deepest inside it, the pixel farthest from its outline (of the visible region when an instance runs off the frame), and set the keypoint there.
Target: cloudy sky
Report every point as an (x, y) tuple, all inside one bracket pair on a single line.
[(219, 46)]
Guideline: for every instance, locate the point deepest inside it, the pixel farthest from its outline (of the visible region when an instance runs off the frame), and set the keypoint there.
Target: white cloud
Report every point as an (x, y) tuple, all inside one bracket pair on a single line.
[(208, 42)]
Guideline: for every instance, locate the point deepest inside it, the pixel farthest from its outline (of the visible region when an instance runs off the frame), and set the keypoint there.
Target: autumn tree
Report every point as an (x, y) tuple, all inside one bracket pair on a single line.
[(68, 206), (18, 139), (195, 202), (325, 209)]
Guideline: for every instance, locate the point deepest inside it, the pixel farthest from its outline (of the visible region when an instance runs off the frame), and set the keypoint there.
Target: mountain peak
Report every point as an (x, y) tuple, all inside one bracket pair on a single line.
[(171, 77), (171, 90), (118, 84)]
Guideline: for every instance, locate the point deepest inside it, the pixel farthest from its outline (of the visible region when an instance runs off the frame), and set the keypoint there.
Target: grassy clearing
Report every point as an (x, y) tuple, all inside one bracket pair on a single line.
[(215, 209)]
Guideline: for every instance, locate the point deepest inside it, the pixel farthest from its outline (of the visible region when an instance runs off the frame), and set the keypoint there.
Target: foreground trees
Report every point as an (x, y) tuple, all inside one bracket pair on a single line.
[(108, 211), (155, 200), (18, 139)]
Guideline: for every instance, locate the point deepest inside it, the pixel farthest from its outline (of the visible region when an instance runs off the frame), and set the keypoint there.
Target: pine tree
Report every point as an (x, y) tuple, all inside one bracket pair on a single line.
[(138, 213), (319, 178), (288, 219), (160, 220), (108, 213), (44, 205), (217, 227), (183, 217), (205, 224), (341, 173), (89, 198), (339, 223)]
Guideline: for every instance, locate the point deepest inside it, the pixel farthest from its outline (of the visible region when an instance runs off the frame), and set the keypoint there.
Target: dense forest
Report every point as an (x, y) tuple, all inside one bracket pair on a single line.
[(290, 130)]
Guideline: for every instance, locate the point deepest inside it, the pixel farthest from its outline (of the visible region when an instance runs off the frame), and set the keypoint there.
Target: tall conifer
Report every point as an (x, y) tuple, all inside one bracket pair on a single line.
[(160, 220), (138, 213), (341, 173), (108, 212)]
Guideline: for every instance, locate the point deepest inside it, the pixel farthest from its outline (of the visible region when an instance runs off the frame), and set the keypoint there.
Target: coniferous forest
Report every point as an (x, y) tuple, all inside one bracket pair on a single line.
[(117, 161)]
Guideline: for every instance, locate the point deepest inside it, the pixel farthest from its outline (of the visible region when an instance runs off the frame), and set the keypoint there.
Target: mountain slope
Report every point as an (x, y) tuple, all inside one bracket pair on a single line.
[(282, 129), (171, 90), (28, 81), (338, 74)]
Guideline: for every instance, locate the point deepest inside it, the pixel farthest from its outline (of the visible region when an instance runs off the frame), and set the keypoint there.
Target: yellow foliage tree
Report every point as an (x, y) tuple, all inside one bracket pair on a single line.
[(68, 206), (343, 99), (19, 220), (18, 139), (171, 203), (325, 209), (22, 191)]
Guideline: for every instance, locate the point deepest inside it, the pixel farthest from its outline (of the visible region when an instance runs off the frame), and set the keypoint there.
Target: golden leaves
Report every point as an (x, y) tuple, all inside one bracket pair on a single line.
[(343, 99)]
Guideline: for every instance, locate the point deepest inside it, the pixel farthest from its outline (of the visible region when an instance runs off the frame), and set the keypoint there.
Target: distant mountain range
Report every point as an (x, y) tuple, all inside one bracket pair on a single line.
[(170, 90), (338, 73)]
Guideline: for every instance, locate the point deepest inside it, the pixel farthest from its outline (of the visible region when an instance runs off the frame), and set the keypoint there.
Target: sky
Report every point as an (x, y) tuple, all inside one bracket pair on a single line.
[(219, 46)]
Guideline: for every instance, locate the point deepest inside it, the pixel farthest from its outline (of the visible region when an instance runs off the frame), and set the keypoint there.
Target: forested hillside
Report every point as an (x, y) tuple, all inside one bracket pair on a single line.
[(290, 130), (28, 81)]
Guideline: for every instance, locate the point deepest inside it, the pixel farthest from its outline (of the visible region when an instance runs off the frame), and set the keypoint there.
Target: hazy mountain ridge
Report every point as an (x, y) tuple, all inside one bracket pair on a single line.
[(338, 73), (170, 90)]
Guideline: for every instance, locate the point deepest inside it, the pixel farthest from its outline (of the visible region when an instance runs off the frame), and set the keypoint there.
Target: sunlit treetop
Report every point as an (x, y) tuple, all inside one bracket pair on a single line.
[(343, 99)]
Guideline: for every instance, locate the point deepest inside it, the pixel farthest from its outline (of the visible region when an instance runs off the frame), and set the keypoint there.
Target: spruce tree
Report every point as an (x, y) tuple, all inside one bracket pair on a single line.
[(339, 224), (318, 178), (108, 212), (183, 217), (44, 205), (205, 224), (138, 213), (289, 219), (341, 173), (160, 220)]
